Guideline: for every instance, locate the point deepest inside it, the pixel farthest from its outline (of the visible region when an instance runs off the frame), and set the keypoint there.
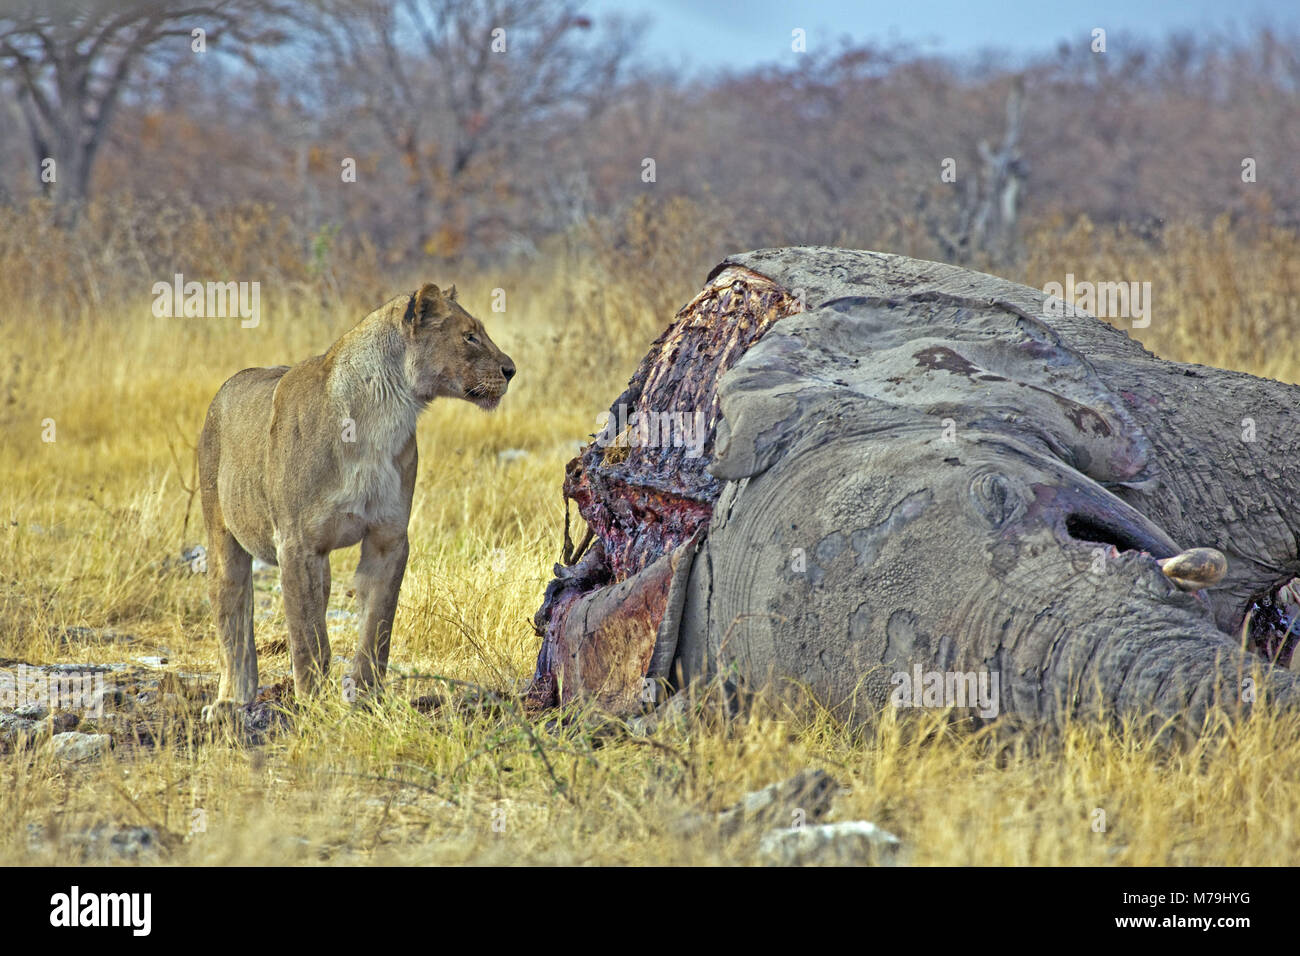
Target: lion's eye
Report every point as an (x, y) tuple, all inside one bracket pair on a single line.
[(471, 338)]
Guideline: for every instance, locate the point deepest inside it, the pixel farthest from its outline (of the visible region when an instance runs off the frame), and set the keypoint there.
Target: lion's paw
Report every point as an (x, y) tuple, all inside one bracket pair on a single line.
[(225, 712)]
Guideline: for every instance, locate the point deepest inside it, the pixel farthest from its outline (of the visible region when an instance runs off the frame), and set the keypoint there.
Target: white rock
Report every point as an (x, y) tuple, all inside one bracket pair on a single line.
[(835, 844), (14, 728), (33, 711), (73, 747)]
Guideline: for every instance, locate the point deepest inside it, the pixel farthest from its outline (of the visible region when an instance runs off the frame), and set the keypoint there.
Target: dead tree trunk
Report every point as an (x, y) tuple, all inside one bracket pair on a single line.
[(1002, 174), (988, 210)]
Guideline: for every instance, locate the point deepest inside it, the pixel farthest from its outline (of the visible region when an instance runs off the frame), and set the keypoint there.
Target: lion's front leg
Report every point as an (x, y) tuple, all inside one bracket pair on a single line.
[(378, 581), (305, 581)]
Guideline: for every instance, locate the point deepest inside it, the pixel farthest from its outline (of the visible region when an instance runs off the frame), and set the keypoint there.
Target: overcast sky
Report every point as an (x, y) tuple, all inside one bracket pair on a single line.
[(698, 34)]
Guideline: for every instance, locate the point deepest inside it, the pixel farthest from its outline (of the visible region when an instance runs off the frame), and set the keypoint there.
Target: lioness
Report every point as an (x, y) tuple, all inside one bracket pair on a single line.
[(296, 462)]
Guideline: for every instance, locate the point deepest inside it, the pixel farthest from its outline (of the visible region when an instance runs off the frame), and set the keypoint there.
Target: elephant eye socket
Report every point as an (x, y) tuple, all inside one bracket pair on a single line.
[(996, 498)]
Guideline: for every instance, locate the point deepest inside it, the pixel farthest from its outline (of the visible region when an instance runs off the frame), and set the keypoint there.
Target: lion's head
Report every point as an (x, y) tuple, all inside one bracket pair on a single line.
[(449, 353)]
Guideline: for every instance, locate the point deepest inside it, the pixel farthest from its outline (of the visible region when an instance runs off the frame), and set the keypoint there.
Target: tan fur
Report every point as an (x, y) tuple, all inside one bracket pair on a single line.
[(297, 462)]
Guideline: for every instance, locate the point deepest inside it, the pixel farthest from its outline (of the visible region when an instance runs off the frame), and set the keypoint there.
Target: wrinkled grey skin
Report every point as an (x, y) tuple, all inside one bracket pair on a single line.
[(959, 555)]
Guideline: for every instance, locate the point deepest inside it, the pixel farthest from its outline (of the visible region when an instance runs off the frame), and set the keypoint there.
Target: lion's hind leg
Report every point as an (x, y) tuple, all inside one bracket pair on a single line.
[(230, 572)]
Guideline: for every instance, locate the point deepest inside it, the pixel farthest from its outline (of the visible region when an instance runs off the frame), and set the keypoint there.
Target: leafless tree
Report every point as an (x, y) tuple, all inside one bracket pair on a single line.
[(71, 62), (466, 92), (987, 214)]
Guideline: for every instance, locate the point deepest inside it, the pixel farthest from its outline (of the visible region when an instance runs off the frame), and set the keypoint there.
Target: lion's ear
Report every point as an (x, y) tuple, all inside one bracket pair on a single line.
[(450, 294), (426, 306)]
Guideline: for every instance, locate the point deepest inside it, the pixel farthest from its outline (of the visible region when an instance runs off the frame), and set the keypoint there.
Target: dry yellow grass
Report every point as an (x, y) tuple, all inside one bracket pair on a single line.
[(89, 519)]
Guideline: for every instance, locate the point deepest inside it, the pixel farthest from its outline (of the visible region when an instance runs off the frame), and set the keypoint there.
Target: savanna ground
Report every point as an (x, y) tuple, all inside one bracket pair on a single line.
[(94, 522)]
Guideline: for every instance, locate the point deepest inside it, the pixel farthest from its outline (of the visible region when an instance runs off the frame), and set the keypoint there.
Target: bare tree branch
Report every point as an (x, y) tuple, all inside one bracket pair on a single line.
[(71, 63)]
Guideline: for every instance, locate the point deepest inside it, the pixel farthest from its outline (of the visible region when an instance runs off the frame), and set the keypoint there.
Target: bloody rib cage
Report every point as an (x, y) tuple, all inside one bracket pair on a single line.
[(642, 502)]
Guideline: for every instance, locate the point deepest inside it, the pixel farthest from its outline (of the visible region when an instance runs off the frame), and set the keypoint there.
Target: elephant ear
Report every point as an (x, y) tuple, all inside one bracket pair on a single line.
[(789, 382), (951, 365), (819, 275), (765, 402)]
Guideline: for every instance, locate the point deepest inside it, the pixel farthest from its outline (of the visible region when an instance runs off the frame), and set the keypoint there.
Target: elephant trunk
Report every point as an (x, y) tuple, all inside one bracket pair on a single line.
[(1177, 674)]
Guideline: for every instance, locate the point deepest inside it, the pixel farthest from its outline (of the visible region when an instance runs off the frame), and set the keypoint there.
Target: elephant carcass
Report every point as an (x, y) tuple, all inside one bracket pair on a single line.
[(912, 475)]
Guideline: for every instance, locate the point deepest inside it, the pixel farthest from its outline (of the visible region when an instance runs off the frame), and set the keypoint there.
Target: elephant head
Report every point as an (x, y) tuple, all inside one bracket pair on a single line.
[(921, 481)]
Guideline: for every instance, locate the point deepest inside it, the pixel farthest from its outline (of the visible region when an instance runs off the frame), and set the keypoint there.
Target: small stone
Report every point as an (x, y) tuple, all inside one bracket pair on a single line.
[(833, 844), (196, 559), (92, 635), (33, 711), (107, 843), (808, 793), (671, 713), (36, 838), (16, 730), (73, 747), (134, 843), (114, 697)]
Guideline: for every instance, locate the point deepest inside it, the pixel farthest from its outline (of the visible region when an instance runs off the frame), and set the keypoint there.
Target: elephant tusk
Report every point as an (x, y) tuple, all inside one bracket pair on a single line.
[(1195, 568)]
